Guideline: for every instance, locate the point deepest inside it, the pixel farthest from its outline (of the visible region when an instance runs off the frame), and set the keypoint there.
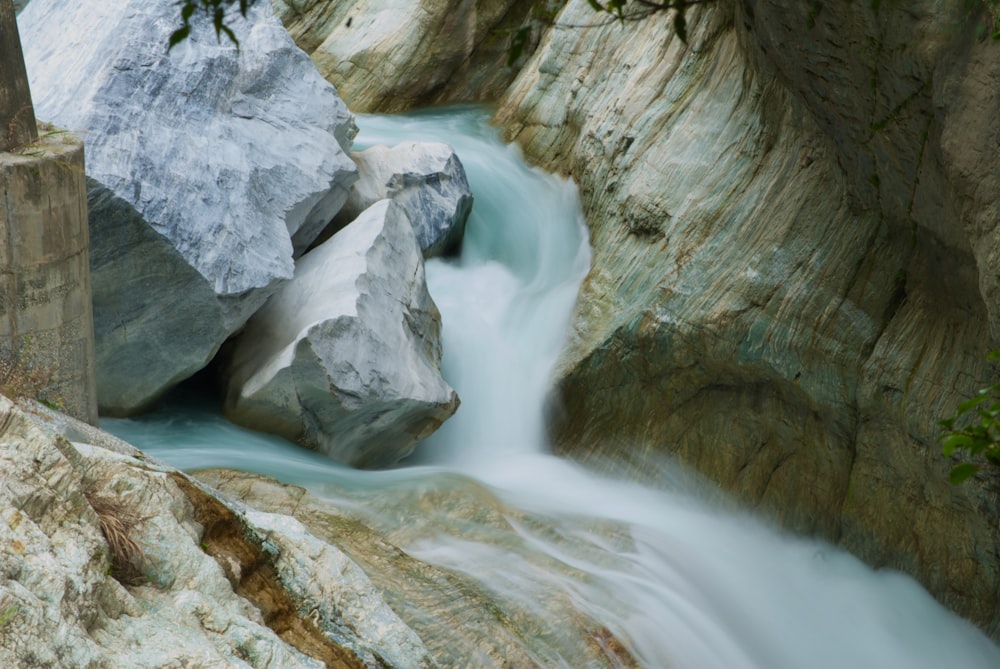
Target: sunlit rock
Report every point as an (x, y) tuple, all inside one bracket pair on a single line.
[(426, 178), (236, 158), (793, 218), (345, 358), (395, 55)]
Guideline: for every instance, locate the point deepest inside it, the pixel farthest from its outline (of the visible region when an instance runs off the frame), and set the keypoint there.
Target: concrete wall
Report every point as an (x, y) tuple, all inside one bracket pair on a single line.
[(46, 317)]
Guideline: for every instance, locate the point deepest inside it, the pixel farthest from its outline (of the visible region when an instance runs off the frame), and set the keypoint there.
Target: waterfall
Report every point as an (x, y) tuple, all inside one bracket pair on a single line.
[(672, 570)]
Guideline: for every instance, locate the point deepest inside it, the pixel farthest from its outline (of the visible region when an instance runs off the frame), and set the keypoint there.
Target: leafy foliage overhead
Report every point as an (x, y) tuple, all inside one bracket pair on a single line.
[(215, 10)]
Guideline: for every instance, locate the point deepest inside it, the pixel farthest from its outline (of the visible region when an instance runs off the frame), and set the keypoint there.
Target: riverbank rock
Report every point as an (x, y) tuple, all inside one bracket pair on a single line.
[(113, 559), (345, 358), (383, 528), (794, 269), (426, 179), (400, 55), (216, 164)]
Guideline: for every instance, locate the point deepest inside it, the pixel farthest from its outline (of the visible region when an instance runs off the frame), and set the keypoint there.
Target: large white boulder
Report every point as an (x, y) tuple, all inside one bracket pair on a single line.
[(345, 358), (234, 159), (426, 178)]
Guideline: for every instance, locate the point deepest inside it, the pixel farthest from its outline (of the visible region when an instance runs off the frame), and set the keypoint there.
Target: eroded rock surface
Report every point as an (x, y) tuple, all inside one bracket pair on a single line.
[(398, 55), (426, 179), (463, 622), (112, 559), (793, 273), (345, 358), (236, 158)]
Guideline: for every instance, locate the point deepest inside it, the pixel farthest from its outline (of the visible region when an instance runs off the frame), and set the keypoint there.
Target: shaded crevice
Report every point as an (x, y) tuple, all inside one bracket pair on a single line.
[(249, 566)]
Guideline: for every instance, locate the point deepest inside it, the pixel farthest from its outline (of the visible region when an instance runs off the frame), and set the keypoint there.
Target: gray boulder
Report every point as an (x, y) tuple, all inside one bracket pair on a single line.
[(236, 158), (426, 178), (345, 358)]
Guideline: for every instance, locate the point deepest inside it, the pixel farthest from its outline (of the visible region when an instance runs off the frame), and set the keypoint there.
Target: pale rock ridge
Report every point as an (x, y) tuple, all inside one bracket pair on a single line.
[(382, 530), (398, 55), (237, 158), (791, 278), (425, 178), (218, 584), (345, 357)]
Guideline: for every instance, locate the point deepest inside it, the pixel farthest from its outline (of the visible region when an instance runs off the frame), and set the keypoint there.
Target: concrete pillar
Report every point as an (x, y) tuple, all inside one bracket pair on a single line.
[(46, 315)]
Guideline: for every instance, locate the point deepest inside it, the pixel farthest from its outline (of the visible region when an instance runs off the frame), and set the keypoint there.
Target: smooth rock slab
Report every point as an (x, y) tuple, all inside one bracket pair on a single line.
[(345, 358), (426, 178), (237, 158)]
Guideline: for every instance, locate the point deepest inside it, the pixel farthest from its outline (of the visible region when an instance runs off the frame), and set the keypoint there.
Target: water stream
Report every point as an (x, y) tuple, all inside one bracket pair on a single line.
[(674, 572)]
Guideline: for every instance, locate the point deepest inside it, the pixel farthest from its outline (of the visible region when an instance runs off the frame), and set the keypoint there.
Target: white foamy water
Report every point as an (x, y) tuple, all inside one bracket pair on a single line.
[(680, 577)]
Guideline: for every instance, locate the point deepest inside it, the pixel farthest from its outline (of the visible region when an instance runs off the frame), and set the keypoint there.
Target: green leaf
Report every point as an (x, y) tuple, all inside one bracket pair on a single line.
[(187, 11), (972, 402), (955, 442), (596, 6), (962, 472), (993, 355), (680, 20), (947, 423), (178, 36)]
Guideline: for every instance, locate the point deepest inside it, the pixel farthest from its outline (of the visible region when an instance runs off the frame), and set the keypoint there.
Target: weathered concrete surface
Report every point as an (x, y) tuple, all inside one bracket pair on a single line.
[(346, 357), (46, 317), (393, 56), (235, 157), (793, 222), (210, 583)]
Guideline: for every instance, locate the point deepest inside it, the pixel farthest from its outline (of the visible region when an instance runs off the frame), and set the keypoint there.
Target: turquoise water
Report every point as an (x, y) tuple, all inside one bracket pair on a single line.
[(694, 583)]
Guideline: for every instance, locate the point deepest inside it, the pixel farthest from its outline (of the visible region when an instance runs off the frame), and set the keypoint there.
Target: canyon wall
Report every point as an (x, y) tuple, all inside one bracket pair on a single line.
[(793, 218)]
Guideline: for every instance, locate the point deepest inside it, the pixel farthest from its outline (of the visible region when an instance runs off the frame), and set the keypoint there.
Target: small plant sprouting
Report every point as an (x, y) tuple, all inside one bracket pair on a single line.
[(7, 614), (974, 430)]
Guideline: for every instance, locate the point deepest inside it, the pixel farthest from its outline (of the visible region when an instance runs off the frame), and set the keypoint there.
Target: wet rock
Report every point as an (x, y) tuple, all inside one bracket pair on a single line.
[(382, 529)]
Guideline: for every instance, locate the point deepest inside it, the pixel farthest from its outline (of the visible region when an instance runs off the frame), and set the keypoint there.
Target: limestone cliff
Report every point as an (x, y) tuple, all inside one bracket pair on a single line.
[(794, 228)]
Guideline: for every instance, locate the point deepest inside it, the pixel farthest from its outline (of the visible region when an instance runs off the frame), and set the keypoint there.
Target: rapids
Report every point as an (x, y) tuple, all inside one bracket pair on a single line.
[(670, 567)]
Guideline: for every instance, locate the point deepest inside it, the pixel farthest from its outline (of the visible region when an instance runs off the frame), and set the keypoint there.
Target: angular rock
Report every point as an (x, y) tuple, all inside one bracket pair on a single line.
[(212, 583), (237, 158), (398, 55), (426, 178), (793, 278), (345, 358)]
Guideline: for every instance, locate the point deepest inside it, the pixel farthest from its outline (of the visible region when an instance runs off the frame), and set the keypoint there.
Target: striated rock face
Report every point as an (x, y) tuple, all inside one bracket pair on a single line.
[(426, 179), (794, 262), (231, 160), (114, 560), (463, 622), (346, 357), (393, 56)]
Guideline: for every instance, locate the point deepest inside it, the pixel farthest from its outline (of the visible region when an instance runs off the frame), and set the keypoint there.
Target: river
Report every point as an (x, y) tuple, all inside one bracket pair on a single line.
[(674, 571)]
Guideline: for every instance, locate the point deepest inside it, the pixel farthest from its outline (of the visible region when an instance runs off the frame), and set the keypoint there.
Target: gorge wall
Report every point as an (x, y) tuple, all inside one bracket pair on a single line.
[(793, 219)]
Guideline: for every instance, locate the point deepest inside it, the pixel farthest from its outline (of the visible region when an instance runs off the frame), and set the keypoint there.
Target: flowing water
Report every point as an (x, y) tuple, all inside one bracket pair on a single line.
[(672, 572)]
